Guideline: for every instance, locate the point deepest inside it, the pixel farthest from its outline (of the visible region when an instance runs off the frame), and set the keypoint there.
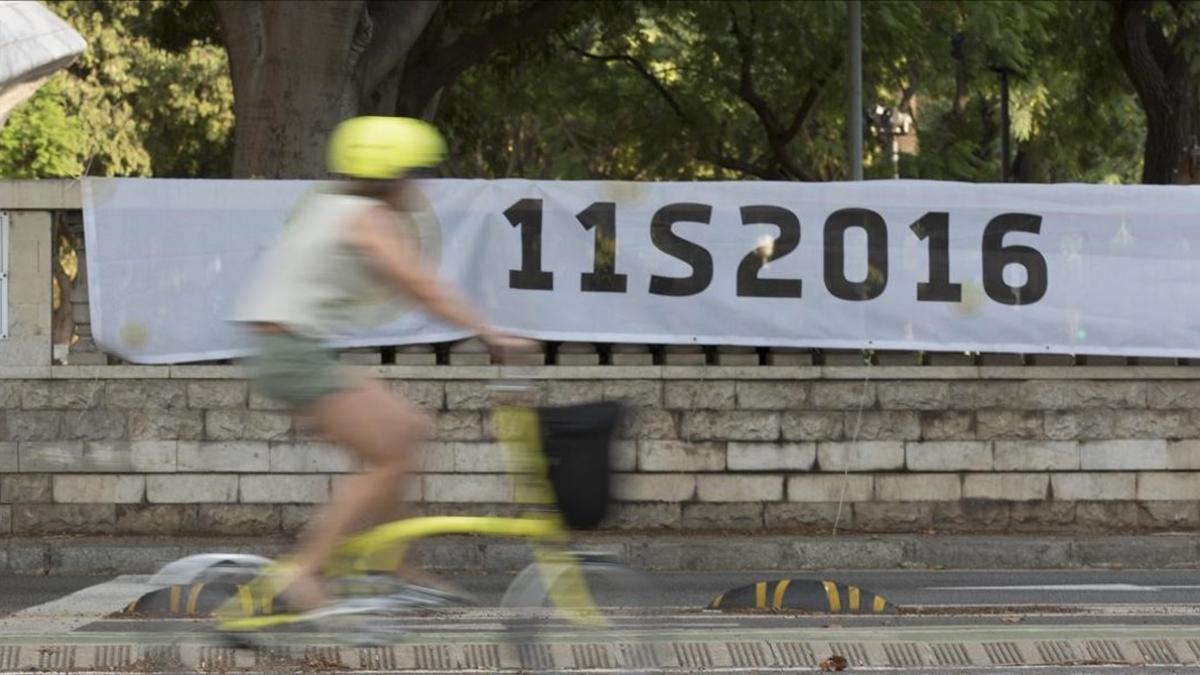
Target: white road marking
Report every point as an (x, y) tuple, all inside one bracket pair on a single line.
[(77, 609)]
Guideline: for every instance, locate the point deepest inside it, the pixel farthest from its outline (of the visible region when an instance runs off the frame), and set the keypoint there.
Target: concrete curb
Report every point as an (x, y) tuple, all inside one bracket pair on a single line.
[(663, 552)]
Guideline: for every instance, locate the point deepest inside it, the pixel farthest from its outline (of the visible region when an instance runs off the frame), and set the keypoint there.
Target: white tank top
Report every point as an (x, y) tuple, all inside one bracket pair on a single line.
[(314, 282)]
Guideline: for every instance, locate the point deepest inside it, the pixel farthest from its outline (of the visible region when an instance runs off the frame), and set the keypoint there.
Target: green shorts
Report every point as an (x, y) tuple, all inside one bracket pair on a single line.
[(296, 370)]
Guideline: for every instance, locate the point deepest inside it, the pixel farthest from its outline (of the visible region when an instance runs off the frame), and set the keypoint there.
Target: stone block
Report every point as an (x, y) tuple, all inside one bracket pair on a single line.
[(971, 516), (983, 395), (160, 519), (961, 553), (825, 395), (772, 395), (477, 457), (861, 456), (915, 487), (1104, 517), (680, 456), (1183, 455), (623, 456), (437, 457), (812, 426), (186, 425), (1094, 486), (98, 488), (1173, 394), (458, 425), (732, 425), (282, 489), (438, 487), (425, 394), (1174, 486), (1169, 515), (62, 395), (39, 456), (947, 425), (742, 516), (217, 394), (1008, 424), (636, 393), (1129, 455), (667, 487), (223, 456), (569, 392), (247, 425), (1075, 394), (1010, 487), (45, 519), (649, 424), (239, 519), (893, 517), (1036, 456), (98, 456), (191, 488), (1042, 516), (771, 456), (295, 517), (1154, 424), (35, 425), (948, 456), (843, 488), (883, 425), (9, 458), (809, 515), (143, 394), (95, 425), (5, 524), (910, 395), (1079, 424), (309, 458), (739, 488), (26, 488), (700, 395), (643, 516), (260, 401), (468, 395), (10, 394)]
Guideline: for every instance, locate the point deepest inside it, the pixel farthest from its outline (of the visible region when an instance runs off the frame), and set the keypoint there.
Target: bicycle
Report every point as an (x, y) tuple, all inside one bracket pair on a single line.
[(557, 487)]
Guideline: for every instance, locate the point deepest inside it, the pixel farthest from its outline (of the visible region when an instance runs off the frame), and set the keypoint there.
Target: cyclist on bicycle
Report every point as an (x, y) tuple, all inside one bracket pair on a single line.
[(339, 250)]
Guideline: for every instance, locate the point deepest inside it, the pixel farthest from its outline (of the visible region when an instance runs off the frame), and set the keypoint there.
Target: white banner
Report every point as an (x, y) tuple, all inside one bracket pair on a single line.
[(911, 265)]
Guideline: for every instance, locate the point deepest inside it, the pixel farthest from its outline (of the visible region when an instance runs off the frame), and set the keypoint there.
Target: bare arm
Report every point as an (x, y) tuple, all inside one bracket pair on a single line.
[(375, 234)]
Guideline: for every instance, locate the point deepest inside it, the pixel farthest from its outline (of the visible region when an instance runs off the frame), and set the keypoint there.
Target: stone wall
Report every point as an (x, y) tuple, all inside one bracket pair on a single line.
[(192, 450)]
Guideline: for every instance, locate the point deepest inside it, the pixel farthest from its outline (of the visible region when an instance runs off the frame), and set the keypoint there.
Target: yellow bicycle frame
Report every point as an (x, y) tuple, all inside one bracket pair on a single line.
[(383, 548)]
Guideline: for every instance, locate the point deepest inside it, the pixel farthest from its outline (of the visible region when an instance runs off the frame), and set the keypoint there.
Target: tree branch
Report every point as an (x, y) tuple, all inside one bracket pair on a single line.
[(1131, 37), (746, 89), (443, 63), (397, 27), (641, 70)]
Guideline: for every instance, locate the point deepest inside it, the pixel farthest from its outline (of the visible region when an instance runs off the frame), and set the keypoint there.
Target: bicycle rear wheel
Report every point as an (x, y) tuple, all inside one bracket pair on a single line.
[(601, 609)]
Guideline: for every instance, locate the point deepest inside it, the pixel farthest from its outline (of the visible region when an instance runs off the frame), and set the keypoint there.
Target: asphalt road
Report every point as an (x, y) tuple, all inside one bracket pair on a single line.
[(903, 588)]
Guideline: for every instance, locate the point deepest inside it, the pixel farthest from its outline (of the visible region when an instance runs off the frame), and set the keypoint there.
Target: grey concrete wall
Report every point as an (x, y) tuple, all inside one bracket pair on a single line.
[(173, 450)]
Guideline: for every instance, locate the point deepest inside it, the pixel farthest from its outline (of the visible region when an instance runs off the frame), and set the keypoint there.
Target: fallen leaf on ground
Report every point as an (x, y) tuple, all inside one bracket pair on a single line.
[(1012, 619), (835, 662)]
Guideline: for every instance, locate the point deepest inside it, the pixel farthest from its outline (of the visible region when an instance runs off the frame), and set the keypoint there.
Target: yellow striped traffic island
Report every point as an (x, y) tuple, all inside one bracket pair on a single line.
[(802, 595)]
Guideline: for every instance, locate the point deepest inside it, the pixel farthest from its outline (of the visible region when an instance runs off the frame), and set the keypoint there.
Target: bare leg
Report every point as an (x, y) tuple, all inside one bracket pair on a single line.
[(378, 428)]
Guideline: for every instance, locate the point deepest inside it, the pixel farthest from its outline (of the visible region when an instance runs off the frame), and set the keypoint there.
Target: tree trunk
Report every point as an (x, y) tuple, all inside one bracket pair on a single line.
[(1166, 88), (292, 67)]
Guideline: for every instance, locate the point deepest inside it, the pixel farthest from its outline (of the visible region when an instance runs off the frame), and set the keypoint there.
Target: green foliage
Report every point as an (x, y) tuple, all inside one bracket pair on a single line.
[(150, 96), (41, 137), (561, 114)]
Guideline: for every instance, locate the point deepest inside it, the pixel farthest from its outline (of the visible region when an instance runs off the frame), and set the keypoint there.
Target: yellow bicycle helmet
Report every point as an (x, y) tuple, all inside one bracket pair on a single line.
[(384, 147)]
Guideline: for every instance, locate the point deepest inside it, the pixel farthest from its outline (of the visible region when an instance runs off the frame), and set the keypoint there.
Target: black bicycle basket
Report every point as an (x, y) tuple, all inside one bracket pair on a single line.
[(576, 440)]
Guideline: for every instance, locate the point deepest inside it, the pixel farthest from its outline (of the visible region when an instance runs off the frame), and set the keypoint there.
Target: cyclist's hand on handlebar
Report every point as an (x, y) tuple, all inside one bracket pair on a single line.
[(503, 346)]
